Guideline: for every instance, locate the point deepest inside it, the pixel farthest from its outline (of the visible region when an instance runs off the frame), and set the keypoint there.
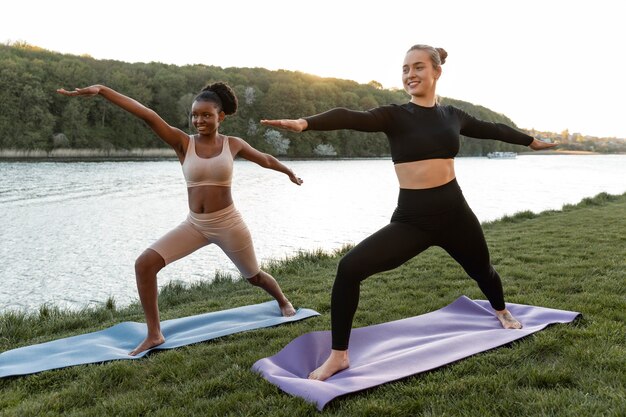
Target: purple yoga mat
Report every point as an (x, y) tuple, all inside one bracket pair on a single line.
[(391, 351)]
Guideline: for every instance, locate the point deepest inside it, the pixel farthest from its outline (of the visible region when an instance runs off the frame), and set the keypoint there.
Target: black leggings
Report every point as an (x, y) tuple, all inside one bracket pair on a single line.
[(436, 216)]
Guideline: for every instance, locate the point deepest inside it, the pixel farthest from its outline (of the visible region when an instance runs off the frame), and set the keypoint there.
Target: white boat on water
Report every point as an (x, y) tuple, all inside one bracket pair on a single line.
[(500, 155)]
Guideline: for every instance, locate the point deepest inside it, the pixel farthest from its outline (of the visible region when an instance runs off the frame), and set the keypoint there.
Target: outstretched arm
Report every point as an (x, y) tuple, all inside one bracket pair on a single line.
[(374, 120), (265, 160), (174, 137), (475, 128)]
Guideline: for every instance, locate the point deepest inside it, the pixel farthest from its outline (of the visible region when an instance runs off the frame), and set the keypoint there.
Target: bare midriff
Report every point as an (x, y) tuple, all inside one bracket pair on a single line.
[(209, 198), (428, 173)]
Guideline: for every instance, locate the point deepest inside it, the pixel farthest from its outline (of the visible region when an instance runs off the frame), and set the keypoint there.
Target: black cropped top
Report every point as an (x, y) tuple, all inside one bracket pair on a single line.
[(416, 133)]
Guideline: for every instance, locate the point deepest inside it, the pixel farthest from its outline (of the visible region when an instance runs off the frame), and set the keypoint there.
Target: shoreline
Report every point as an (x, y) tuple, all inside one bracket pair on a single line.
[(68, 155), (82, 154), (564, 152)]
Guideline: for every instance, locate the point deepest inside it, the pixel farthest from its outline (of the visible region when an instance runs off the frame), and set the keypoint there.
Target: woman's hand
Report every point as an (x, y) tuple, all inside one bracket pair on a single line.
[(91, 91), (296, 180), (294, 125), (538, 145)]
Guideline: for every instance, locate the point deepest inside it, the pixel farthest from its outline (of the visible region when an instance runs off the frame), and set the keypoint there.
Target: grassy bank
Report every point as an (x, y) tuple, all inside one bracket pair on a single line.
[(573, 259)]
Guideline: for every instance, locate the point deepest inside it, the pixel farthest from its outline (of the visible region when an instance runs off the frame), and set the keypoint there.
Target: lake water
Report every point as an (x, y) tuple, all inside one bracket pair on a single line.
[(70, 232)]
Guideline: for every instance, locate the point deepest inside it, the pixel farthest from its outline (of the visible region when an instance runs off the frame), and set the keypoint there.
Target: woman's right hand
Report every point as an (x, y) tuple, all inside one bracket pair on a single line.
[(294, 125), (538, 145), (90, 91)]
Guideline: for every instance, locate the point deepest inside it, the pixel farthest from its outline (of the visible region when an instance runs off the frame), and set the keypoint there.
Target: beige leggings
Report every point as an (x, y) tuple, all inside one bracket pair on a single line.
[(225, 228)]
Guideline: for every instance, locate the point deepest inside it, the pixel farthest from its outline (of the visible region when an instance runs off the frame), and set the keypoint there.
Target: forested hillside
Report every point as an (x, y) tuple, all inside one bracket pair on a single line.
[(33, 116)]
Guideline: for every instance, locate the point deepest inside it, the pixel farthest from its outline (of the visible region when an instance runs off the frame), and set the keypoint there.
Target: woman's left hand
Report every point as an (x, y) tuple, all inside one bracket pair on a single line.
[(294, 179), (86, 92), (538, 145)]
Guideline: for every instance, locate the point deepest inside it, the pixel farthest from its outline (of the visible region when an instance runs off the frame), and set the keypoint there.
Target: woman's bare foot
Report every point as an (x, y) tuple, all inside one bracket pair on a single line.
[(507, 320), (148, 343), (337, 361), (287, 309), (269, 284)]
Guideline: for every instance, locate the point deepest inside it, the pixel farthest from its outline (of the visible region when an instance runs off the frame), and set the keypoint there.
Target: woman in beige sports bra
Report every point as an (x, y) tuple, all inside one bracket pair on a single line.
[(207, 162)]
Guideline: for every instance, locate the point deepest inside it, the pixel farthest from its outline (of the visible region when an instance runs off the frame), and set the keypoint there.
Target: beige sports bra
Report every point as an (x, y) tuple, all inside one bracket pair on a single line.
[(217, 170)]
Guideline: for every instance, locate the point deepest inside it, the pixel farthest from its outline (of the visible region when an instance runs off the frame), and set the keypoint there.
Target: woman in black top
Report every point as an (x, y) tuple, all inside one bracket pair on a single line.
[(431, 211)]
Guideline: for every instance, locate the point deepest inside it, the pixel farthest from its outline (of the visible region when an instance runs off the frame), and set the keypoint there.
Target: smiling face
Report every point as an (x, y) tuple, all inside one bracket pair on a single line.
[(206, 116), (419, 76)]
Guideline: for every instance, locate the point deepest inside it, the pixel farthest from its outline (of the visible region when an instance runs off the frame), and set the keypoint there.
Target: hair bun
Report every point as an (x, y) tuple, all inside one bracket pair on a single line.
[(226, 95), (442, 55)]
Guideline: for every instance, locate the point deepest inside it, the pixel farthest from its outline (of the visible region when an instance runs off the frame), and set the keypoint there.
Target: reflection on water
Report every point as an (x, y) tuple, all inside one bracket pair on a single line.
[(70, 232)]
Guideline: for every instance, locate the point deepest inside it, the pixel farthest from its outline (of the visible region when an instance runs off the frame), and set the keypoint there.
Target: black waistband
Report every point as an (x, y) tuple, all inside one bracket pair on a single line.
[(429, 201)]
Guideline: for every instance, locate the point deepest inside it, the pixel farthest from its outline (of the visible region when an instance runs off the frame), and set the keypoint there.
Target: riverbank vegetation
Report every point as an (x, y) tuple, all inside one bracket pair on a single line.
[(571, 259), (34, 119)]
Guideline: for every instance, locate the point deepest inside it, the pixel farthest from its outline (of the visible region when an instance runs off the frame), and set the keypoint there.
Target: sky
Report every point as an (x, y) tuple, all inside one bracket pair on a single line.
[(548, 65)]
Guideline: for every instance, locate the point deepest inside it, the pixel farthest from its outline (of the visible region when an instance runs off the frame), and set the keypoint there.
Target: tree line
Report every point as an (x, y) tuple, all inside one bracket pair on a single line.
[(33, 116)]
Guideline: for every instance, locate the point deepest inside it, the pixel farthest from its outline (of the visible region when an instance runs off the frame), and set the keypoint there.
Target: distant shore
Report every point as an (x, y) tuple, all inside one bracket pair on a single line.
[(67, 153), (61, 154), (561, 152)]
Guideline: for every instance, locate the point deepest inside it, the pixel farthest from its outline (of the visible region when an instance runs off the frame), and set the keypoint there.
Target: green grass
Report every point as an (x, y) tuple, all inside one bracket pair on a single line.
[(573, 259)]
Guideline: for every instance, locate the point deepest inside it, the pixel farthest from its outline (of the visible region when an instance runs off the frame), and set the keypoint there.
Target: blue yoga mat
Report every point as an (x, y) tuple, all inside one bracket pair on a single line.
[(390, 351), (115, 342)]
